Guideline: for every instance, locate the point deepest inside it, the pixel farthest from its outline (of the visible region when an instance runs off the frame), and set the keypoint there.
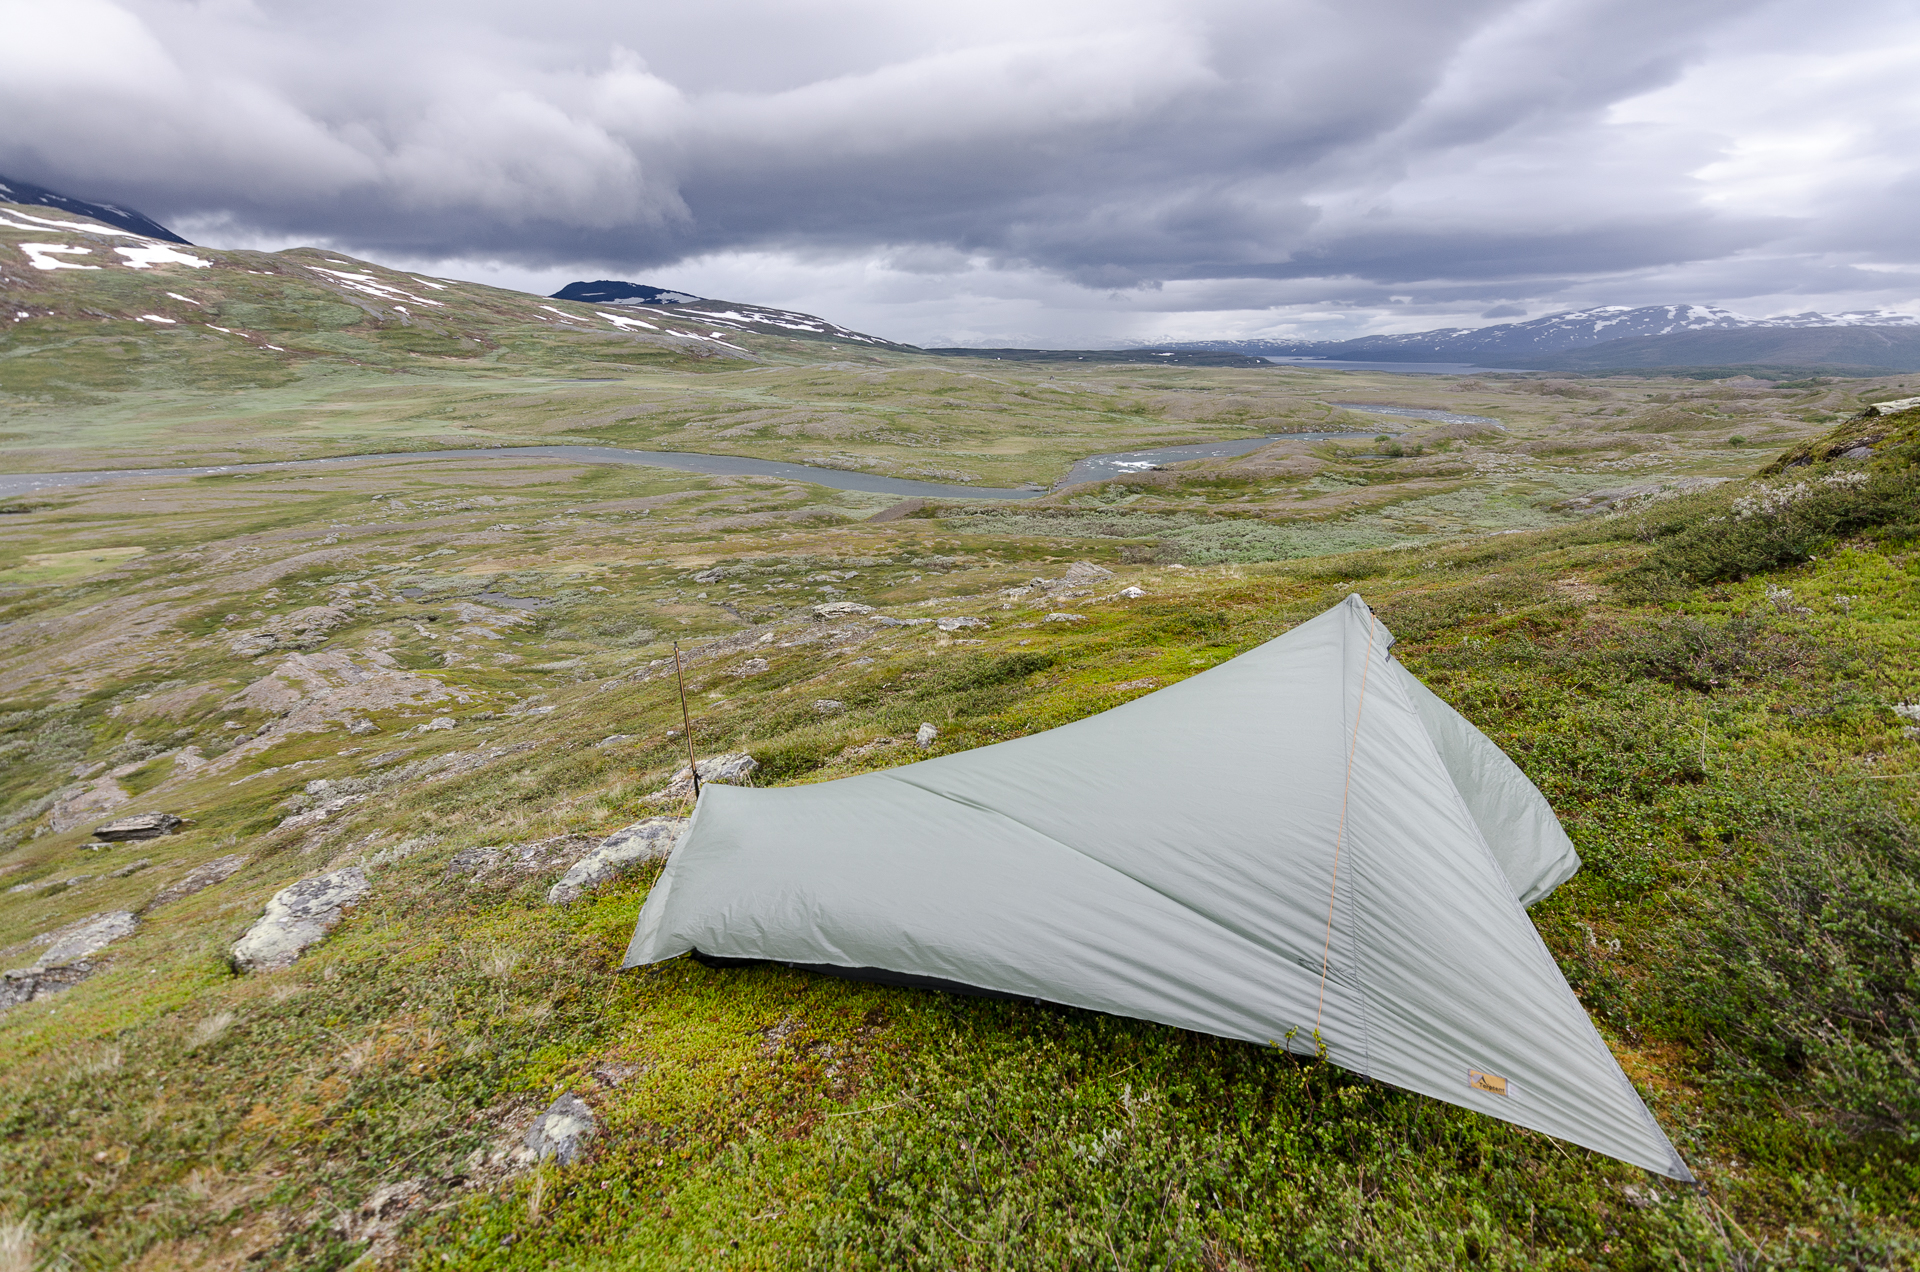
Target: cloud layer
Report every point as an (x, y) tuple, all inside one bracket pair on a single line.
[(993, 172)]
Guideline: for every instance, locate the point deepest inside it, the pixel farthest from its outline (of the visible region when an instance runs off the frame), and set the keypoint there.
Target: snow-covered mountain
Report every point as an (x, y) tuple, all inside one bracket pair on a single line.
[(721, 313), (611, 291), (1555, 333), (13, 191)]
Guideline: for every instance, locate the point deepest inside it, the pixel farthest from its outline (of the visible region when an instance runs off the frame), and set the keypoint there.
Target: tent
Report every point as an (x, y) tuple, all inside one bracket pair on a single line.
[(1302, 843)]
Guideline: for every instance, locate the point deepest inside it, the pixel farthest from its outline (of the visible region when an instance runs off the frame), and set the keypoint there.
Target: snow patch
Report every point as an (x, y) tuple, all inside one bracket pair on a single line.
[(83, 227), (159, 254), (371, 286), (190, 300), (40, 255), (156, 318), (624, 322)]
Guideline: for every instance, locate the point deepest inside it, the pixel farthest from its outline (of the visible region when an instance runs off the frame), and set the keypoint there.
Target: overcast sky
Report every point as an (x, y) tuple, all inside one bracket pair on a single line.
[(1026, 172)]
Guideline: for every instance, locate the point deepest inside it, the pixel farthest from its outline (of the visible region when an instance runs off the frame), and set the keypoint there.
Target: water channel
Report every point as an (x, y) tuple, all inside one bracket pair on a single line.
[(1092, 468)]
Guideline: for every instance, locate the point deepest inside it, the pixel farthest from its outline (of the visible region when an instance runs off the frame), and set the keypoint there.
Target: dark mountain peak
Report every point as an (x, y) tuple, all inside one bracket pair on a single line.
[(721, 313), (12, 191), (613, 291)]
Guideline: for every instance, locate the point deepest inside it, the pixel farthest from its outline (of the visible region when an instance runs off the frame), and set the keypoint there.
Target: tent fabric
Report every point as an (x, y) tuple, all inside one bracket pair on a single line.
[(1300, 846)]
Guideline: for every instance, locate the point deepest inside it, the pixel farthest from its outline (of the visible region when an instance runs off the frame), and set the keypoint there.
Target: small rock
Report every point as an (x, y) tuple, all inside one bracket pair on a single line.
[(841, 609), (138, 826), (438, 722), (903, 622), (1857, 452), (752, 667), (130, 868), (1131, 593), (187, 759), (614, 739), (1065, 618), (296, 918), (561, 1131), (198, 879), (618, 853), (926, 734), (710, 576), (358, 727), (829, 706), (88, 937), (959, 624)]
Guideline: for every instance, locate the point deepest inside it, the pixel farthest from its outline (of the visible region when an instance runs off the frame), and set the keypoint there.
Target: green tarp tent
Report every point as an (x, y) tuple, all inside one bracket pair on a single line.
[(1303, 841)]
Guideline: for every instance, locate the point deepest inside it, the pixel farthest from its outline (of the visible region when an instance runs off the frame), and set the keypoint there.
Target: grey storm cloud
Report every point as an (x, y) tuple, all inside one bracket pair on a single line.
[(1486, 149)]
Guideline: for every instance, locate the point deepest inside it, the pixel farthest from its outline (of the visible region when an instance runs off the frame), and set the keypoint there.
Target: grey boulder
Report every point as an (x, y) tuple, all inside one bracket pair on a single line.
[(644, 841), (298, 917), (138, 826)]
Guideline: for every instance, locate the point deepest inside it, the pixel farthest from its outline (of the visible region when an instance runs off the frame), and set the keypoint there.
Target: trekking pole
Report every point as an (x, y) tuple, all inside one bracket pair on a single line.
[(686, 722)]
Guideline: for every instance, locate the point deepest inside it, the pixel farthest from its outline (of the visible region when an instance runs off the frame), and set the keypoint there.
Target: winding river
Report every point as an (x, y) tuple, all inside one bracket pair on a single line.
[(1092, 468)]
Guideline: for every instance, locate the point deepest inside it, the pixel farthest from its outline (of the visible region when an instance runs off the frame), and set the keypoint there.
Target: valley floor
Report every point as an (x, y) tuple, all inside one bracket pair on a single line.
[(393, 667)]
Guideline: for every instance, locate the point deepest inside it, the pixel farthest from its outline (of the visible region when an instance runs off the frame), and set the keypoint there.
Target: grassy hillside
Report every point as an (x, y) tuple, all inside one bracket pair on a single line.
[(1717, 688)]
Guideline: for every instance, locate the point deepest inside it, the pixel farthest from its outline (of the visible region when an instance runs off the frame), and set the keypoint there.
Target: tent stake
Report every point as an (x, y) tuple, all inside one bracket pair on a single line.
[(686, 722)]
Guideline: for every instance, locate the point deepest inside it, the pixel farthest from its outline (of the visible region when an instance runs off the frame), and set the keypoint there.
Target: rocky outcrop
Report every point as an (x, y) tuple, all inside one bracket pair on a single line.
[(492, 864), (301, 628), (297, 918), (198, 879), (88, 937), (839, 609), (138, 826), (81, 804), (620, 852), (68, 959)]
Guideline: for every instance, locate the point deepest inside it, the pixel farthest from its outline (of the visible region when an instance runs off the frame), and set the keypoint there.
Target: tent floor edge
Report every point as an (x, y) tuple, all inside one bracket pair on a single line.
[(873, 975)]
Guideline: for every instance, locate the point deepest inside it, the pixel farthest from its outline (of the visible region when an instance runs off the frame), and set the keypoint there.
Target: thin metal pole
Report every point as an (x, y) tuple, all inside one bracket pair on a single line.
[(686, 722)]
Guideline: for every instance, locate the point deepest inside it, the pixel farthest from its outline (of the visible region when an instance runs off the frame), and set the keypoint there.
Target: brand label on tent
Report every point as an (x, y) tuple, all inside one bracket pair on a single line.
[(1491, 1083)]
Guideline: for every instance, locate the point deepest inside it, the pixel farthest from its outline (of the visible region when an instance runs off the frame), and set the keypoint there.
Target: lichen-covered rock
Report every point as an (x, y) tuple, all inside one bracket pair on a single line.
[(734, 768), (618, 853), (927, 734), (562, 1131), (298, 917), (138, 826), (839, 609), (960, 623)]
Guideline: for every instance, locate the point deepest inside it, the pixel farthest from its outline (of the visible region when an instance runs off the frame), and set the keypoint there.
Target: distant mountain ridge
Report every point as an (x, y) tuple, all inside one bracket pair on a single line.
[(15, 191), (721, 313), (1553, 334)]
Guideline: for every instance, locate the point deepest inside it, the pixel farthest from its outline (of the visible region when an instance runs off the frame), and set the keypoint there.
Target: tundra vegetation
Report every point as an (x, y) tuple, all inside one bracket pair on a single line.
[(453, 677)]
